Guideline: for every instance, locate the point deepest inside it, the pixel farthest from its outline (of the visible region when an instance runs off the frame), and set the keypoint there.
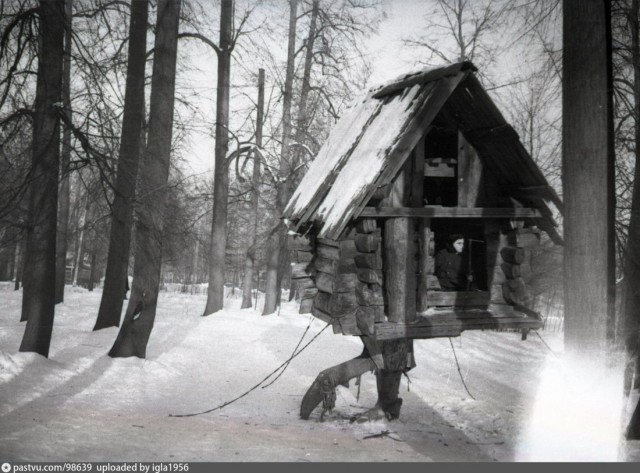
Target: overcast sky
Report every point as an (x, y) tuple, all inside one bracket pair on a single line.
[(388, 56)]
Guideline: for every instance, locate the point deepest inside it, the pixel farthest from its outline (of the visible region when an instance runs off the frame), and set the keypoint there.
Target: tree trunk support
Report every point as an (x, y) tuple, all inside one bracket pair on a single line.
[(323, 388)]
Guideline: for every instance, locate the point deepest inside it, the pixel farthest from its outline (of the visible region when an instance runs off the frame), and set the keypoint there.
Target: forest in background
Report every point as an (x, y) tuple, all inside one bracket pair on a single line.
[(121, 123)]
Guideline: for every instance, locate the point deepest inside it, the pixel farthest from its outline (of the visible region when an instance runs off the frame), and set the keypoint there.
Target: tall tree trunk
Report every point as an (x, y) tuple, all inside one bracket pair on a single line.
[(141, 311), (305, 88), (587, 162), (629, 328), (196, 252), (250, 259), (80, 240), (65, 158), (115, 282), (218, 243), (18, 264), (297, 152), (38, 297), (277, 240), (92, 274)]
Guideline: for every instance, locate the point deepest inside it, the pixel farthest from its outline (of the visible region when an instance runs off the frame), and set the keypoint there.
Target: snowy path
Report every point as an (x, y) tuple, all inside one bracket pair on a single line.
[(82, 405)]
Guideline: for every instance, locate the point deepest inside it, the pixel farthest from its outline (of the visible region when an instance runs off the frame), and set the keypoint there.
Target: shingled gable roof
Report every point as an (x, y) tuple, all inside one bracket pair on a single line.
[(371, 142)]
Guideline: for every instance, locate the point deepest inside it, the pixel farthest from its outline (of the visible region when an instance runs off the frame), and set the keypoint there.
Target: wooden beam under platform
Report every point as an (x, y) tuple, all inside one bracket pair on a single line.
[(436, 211), (452, 322)]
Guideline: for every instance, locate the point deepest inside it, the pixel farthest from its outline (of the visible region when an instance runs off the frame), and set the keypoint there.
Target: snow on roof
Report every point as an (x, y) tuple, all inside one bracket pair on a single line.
[(372, 140), (332, 156), (358, 149), (367, 160)]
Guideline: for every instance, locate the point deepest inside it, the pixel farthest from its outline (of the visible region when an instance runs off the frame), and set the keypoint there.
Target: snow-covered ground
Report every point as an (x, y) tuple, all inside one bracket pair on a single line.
[(82, 405)]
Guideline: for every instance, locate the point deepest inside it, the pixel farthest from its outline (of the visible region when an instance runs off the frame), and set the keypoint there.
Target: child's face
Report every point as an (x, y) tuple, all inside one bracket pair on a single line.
[(458, 245)]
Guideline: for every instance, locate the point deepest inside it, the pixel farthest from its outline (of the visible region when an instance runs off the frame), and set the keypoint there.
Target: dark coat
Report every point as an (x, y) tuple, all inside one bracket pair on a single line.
[(450, 270)]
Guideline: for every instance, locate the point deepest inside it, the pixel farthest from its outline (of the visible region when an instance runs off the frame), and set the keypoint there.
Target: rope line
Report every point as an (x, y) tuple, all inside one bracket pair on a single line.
[(545, 343), (292, 354), (459, 371), (257, 385)]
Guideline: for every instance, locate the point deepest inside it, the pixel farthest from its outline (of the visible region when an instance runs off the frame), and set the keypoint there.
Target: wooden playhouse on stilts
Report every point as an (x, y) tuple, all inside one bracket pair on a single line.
[(412, 162)]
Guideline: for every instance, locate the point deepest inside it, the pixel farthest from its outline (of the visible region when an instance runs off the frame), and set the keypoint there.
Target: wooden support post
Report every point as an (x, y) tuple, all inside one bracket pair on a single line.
[(425, 256), (425, 263), (399, 254), (400, 283), (469, 173)]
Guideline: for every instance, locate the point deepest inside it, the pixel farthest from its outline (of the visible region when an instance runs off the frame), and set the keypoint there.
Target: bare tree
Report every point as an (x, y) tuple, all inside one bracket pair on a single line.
[(458, 30), (276, 238), (141, 311), (215, 293), (588, 178), (131, 143), (38, 301), (626, 39), (65, 159), (250, 259)]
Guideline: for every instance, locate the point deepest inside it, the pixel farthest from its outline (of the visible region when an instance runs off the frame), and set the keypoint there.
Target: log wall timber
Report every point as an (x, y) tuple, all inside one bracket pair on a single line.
[(368, 260), (509, 262), (322, 315), (335, 267), (300, 242), (367, 317), (331, 283), (363, 280), (302, 256), (512, 254), (511, 270), (308, 293), (329, 252), (305, 283), (451, 324), (336, 280), (366, 225), (369, 294), (458, 298), (306, 306), (370, 276), (303, 270), (436, 211), (367, 243)]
